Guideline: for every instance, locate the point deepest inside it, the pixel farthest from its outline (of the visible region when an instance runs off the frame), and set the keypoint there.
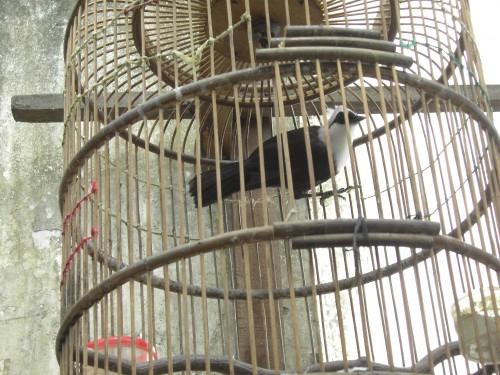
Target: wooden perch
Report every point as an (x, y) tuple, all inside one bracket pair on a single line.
[(221, 364), (44, 108)]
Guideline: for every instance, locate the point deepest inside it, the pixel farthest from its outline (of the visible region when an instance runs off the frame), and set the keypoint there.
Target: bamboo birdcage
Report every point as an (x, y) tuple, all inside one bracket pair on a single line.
[(382, 274)]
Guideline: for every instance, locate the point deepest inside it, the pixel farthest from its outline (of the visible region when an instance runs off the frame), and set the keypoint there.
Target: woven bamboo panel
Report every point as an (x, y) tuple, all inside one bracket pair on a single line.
[(361, 272)]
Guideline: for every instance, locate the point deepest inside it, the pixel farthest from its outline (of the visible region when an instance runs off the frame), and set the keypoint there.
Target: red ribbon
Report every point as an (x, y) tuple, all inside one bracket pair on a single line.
[(93, 233), (94, 189)]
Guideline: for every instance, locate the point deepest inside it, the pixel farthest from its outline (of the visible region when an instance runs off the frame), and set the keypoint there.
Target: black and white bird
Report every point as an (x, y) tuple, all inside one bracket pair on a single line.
[(259, 32), (339, 143)]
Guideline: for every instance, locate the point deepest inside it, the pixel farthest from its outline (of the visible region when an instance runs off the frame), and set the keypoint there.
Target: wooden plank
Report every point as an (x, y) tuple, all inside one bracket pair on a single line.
[(40, 108), (44, 108)]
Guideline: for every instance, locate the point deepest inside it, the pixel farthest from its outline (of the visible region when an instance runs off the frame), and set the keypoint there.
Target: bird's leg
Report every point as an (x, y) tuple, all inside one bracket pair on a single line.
[(323, 195)]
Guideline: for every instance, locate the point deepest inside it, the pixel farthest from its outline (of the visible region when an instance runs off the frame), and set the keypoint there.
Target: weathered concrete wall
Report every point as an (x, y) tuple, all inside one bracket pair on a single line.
[(31, 61)]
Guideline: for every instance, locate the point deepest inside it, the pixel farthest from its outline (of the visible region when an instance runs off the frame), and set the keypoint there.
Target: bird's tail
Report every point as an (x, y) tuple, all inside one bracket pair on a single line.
[(230, 183)]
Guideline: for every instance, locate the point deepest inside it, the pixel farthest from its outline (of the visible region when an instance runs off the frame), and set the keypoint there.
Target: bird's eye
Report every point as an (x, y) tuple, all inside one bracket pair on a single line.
[(340, 118)]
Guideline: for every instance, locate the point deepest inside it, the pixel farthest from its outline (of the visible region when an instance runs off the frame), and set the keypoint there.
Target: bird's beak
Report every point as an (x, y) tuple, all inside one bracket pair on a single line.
[(358, 119)]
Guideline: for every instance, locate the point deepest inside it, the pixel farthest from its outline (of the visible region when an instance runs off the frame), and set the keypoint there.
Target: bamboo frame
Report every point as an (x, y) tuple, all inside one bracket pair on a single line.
[(364, 275)]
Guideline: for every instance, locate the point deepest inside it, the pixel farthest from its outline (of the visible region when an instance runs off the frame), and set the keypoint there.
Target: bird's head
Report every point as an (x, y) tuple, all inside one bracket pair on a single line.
[(337, 117), (259, 32)]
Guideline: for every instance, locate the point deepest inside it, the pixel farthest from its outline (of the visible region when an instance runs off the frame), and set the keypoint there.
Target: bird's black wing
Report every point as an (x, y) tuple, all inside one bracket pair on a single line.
[(298, 161)]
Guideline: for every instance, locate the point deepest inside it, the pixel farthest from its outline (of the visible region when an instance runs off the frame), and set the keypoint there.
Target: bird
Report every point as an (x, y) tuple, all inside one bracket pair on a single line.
[(230, 172), (259, 32)]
